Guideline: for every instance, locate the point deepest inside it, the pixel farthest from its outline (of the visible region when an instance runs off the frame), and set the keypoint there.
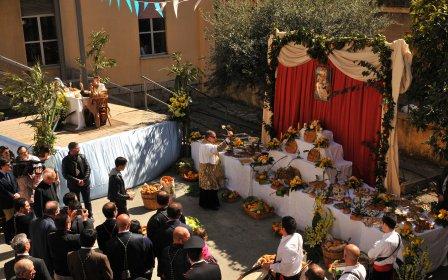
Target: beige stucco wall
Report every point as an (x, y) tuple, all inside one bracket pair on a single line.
[(12, 43)]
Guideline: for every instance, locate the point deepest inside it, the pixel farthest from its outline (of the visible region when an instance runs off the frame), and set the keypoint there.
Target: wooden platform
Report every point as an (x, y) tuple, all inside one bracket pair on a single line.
[(123, 119)]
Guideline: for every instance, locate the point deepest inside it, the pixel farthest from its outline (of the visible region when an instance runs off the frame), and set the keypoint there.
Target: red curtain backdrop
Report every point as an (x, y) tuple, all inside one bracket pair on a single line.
[(354, 117)]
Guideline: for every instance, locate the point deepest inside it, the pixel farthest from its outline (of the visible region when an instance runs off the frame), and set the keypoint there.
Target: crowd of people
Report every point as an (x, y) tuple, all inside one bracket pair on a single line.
[(55, 240)]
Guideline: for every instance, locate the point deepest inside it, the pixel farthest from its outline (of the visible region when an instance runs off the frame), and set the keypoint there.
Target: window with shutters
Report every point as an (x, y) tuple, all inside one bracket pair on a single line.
[(41, 42), (152, 33)]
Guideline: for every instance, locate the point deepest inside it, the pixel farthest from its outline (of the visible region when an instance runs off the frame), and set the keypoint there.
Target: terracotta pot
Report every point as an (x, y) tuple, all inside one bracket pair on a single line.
[(313, 155), (310, 136)]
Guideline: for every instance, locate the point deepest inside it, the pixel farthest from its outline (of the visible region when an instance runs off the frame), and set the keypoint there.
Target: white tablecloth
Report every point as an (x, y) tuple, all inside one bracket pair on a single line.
[(76, 105), (300, 205)]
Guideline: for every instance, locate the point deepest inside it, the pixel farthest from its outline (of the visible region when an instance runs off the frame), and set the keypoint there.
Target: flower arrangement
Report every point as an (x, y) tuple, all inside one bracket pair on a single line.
[(290, 134), (416, 261), (322, 223), (315, 125), (296, 182), (442, 218), (179, 104), (353, 182), (324, 163), (195, 135), (322, 142), (274, 144), (263, 159), (237, 142)]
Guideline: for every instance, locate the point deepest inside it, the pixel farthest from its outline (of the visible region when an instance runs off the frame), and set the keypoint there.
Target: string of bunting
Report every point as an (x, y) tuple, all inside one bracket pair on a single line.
[(138, 6)]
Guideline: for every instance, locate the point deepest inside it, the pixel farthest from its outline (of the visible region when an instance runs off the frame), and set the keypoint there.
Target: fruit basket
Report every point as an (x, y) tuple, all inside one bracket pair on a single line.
[(314, 155), (257, 209), (230, 196), (333, 250), (190, 176), (149, 195), (167, 183)]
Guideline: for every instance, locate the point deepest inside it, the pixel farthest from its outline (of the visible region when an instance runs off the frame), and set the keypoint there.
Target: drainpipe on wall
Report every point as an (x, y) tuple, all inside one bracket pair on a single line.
[(82, 50), (57, 14)]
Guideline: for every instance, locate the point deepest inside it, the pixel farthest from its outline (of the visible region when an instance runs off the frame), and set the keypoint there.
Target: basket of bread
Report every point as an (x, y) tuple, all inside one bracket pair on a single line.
[(149, 195), (257, 208)]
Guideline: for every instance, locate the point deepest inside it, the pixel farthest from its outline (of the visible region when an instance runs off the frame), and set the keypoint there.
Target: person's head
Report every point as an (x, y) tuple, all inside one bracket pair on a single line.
[(351, 254), (210, 136), (24, 269), (75, 205), (5, 153), (73, 148), (135, 227), (163, 198), (180, 235), (389, 221), (120, 163), (62, 222), (87, 238), (110, 210), (194, 247), (20, 244), (22, 153), (123, 222), (22, 206), (289, 226), (96, 80), (202, 233), (5, 165), (44, 152), (51, 208), (174, 210), (69, 198), (315, 272), (49, 176)]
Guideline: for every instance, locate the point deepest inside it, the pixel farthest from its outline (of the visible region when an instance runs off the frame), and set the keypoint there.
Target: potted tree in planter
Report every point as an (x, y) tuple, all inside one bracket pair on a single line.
[(34, 94)]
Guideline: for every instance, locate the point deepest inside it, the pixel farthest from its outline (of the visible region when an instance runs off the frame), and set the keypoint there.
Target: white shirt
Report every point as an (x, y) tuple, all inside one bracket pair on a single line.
[(384, 247), (208, 153), (290, 255), (359, 270)]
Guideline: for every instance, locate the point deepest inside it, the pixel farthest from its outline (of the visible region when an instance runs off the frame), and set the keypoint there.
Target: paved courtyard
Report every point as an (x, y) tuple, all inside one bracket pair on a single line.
[(236, 240)]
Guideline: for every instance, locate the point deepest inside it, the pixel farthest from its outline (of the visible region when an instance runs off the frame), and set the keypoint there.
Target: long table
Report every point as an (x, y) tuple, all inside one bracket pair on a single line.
[(299, 205)]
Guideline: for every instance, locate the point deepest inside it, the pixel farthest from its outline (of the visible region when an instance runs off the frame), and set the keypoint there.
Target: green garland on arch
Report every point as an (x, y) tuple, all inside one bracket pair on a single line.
[(319, 47)]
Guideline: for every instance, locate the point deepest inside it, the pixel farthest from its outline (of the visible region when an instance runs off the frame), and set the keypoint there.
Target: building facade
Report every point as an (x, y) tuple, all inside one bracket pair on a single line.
[(51, 32)]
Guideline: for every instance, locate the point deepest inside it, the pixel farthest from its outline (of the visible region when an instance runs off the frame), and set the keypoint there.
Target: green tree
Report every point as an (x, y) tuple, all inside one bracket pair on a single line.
[(184, 73), (99, 61), (429, 89), (240, 30), (34, 94)]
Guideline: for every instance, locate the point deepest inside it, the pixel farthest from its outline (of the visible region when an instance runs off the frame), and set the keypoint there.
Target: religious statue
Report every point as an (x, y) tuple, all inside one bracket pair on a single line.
[(323, 83)]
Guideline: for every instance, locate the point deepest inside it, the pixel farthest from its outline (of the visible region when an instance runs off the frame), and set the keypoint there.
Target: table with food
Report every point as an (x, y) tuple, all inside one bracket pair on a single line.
[(287, 174)]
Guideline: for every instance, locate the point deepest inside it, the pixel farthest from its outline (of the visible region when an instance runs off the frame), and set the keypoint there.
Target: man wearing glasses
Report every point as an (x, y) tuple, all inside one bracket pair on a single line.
[(9, 191)]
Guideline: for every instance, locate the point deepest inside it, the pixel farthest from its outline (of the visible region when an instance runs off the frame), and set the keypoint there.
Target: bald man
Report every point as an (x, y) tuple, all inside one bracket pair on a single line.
[(24, 270), (45, 191), (130, 255), (314, 272), (173, 262), (353, 270), (39, 230)]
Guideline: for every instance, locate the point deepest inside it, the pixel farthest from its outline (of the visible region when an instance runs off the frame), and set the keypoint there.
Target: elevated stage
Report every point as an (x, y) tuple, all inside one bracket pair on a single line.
[(147, 139)]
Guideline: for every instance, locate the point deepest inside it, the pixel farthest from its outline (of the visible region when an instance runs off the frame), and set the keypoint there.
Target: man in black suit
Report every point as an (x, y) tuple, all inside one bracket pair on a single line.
[(39, 230), (107, 230), (24, 270), (20, 222), (117, 190), (76, 170), (45, 191), (21, 246), (173, 263), (200, 269), (159, 219), (9, 190), (78, 218), (165, 237), (86, 264), (130, 255), (61, 242)]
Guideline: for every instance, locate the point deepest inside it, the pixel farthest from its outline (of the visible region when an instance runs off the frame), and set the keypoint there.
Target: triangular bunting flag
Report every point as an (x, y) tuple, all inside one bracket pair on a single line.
[(118, 3), (175, 5), (137, 7), (197, 4), (145, 5), (110, 2), (128, 2), (159, 9)]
